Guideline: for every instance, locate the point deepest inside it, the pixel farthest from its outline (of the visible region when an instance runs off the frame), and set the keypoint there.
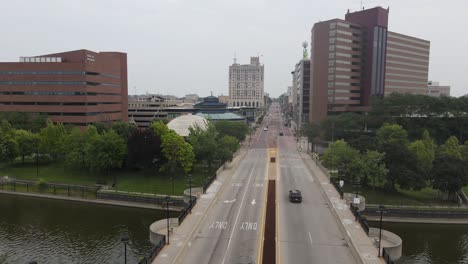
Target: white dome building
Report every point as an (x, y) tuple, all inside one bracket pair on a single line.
[(182, 123)]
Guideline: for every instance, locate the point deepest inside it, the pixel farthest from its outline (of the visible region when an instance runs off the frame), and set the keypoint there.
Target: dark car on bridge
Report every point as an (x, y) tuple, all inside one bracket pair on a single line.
[(295, 196)]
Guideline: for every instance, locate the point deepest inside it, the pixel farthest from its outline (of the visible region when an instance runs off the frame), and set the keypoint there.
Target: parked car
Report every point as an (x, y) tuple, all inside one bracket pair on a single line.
[(295, 196), (265, 129)]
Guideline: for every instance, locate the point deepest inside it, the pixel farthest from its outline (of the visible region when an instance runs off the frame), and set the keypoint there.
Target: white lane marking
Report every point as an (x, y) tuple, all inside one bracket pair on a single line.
[(229, 201), (253, 202), (237, 184), (259, 185), (218, 225), (238, 212), (249, 226), (310, 237)]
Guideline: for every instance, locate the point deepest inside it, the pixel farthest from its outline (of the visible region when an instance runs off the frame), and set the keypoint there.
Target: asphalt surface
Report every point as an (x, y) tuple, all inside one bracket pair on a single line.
[(308, 232), (231, 231)]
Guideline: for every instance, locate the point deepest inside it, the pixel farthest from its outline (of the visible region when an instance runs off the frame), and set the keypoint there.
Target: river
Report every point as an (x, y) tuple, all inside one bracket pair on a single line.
[(431, 243), (54, 231)]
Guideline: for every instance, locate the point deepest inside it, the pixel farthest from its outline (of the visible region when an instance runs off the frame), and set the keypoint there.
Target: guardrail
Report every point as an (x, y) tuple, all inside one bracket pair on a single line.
[(208, 183), (154, 251), (187, 209), (387, 257), (413, 213), (139, 198), (337, 187), (55, 186), (362, 220)]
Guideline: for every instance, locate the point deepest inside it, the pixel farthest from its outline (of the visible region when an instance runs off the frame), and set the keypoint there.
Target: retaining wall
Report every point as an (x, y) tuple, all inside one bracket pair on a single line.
[(395, 250)]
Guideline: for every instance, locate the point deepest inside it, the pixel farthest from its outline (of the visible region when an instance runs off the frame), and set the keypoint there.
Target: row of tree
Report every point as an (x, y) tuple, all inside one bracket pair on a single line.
[(441, 116), (107, 147), (392, 160)]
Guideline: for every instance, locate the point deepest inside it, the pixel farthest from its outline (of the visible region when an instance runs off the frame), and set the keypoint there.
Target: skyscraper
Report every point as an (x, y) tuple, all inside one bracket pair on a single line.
[(246, 84), (356, 58)]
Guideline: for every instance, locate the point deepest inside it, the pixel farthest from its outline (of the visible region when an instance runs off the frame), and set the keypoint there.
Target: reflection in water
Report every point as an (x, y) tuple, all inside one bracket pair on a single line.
[(52, 231), (431, 243)]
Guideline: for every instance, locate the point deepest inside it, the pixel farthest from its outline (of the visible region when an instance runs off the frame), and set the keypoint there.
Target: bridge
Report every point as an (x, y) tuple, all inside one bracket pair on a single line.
[(246, 215)]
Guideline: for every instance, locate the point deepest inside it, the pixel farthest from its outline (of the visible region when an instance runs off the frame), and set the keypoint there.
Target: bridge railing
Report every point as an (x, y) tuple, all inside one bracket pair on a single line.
[(154, 251), (337, 187), (387, 257), (361, 219)]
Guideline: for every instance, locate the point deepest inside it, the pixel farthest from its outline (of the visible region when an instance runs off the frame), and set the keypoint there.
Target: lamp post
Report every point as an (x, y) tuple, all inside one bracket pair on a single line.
[(381, 207), (167, 216), (356, 184), (37, 159), (190, 191), (124, 240)]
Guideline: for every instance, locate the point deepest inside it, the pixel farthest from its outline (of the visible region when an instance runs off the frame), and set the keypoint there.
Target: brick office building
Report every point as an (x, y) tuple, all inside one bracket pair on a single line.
[(354, 59), (78, 87)]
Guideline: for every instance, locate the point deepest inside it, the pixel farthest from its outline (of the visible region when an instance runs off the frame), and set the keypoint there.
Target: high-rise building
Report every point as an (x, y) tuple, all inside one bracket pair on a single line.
[(354, 59), (77, 87), (302, 84), (246, 84)]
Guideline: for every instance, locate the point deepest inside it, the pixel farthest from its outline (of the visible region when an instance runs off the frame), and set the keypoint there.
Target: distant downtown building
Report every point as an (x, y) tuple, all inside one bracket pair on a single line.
[(246, 84), (436, 90), (78, 87), (301, 90), (355, 59)]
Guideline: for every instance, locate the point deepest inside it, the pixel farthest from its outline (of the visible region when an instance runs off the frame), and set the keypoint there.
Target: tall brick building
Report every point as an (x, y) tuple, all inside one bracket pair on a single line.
[(78, 87), (354, 59)]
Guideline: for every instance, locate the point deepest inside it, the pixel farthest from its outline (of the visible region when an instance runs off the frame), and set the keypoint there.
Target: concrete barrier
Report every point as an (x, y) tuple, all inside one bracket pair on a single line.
[(396, 244), (159, 228), (349, 197), (196, 192)]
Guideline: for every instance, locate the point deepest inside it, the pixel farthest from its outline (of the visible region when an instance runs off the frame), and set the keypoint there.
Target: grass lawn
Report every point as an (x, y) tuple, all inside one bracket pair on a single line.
[(148, 181), (465, 190), (424, 197)]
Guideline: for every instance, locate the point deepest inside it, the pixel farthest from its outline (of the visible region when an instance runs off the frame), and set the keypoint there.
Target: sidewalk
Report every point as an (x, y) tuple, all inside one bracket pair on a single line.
[(181, 236), (360, 244)]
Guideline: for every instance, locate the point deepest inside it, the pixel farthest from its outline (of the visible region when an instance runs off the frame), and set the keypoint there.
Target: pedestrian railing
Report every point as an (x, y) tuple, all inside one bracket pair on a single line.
[(208, 183), (49, 188), (337, 187), (414, 213), (140, 198), (154, 251), (387, 257), (186, 210), (362, 220)]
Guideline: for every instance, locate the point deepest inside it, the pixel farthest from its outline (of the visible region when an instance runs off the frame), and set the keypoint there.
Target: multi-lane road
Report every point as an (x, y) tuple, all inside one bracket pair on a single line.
[(232, 230)]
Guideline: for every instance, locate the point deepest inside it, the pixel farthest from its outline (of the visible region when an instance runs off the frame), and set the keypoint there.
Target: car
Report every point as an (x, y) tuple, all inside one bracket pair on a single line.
[(281, 133), (295, 196), (265, 129)]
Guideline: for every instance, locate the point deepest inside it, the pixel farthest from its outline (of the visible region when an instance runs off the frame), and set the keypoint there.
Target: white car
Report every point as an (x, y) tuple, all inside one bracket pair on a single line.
[(265, 129)]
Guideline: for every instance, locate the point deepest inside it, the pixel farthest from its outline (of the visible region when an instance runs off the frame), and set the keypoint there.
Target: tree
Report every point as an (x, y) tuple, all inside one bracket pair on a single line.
[(312, 132), (401, 163), (75, 148), (227, 145), (52, 137), (177, 152), (424, 150), (144, 148), (342, 157), (26, 143), (8, 148), (203, 143), (235, 129), (106, 151), (373, 168), (450, 174), (451, 148), (123, 129)]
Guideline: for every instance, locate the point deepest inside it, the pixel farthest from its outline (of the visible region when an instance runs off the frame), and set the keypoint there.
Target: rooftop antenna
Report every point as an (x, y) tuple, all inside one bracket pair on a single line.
[(134, 87), (305, 54), (235, 58), (362, 7)]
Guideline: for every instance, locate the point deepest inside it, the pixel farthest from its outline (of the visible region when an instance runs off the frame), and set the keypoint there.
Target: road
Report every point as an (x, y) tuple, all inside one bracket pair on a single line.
[(308, 232), (231, 231)]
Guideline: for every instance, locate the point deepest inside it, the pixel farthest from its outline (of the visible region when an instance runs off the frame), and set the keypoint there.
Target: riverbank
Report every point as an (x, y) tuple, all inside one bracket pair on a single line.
[(426, 215), (93, 201)]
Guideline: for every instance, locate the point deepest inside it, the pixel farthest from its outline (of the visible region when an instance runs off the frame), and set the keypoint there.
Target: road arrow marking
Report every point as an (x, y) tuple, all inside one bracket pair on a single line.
[(253, 202), (227, 201)]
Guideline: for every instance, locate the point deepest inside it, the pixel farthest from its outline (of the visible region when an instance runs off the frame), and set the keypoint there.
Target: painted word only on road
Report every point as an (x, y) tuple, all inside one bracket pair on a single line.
[(248, 226), (218, 225)]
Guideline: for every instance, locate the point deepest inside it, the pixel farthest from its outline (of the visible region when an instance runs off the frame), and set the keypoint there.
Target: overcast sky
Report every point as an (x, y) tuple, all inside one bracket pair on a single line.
[(186, 46)]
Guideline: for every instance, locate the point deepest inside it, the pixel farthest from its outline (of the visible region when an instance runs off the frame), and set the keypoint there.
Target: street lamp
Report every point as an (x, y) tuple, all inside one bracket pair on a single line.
[(125, 240), (167, 215), (190, 191), (356, 184), (381, 207)]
